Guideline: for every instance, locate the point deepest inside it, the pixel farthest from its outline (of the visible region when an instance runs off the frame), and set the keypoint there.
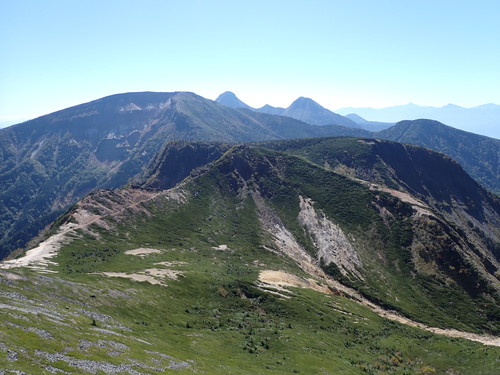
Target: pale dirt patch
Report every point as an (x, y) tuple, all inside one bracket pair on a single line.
[(177, 194), (257, 263), (12, 276), (221, 247), (420, 207), (283, 241), (84, 217), (274, 289), (484, 339), (142, 251), (134, 276), (282, 279), (171, 264), (155, 276), (366, 142), (164, 273), (405, 197)]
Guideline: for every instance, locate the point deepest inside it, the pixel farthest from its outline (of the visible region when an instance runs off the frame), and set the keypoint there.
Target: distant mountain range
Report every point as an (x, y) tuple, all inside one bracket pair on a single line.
[(302, 109), (48, 163), (484, 119)]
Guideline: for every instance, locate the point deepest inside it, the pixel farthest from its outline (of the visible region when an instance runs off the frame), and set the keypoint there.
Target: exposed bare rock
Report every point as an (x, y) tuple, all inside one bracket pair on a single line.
[(283, 240), (331, 242)]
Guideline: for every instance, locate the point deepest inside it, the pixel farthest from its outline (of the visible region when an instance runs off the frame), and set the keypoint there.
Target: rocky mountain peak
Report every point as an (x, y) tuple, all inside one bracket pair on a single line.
[(303, 101), (229, 99)]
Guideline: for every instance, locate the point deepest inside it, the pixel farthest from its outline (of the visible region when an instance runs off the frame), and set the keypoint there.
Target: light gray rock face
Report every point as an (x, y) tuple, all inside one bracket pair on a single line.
[(332, 244)]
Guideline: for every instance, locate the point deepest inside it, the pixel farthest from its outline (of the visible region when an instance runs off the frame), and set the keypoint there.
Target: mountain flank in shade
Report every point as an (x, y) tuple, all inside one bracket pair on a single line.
[(369, 125)]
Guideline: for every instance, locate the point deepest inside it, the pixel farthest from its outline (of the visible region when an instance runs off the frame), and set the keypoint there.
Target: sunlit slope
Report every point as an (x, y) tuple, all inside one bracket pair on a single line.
[(49, 163), (237, 270)]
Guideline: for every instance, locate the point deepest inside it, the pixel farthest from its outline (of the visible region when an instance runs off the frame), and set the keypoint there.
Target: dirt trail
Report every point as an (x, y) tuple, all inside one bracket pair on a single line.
[(282, 279), (38, 257), (392, 315)]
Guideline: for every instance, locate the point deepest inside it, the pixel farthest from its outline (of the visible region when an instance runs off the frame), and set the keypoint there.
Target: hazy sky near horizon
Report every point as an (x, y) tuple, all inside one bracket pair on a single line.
[(56, 54)]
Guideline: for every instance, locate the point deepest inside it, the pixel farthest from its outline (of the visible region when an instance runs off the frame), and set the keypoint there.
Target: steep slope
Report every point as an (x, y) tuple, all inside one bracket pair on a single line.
[(236, 270), (176, 160), (428, 177), (479, 155), (445, 198), (48, 163)]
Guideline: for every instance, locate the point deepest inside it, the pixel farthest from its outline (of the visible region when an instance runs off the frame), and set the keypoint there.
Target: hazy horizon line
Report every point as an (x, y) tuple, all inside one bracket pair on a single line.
[(8, 120)]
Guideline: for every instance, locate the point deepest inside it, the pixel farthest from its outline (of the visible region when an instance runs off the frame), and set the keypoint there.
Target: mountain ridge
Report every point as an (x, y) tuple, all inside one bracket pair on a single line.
[(437, 136), (265, 176), (50, 162), (307, 110), (248, 258)]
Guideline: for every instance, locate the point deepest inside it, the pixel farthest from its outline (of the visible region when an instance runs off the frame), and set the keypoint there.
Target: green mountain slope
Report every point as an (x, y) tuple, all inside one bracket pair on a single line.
[(451, 205), (48, 163), (237, 270)]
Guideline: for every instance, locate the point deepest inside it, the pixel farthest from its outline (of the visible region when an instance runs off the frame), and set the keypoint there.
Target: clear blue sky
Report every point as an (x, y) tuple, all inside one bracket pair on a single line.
[(56, 54)]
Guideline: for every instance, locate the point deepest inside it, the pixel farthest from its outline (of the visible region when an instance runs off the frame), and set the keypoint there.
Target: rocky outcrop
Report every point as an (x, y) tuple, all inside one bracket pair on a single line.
[(329, 239)]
